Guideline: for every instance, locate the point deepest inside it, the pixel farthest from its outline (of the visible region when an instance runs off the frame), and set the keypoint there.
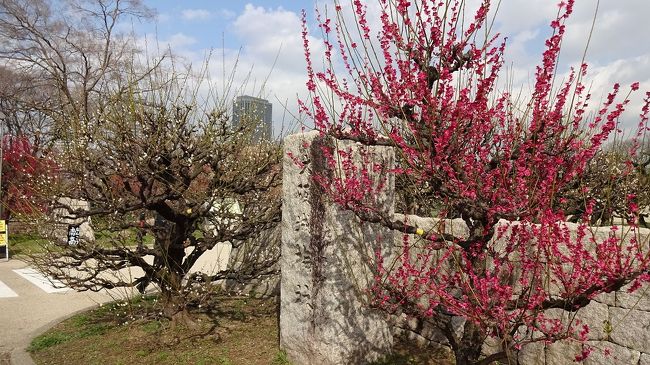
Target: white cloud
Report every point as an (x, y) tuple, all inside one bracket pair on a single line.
[(522, 15), (179, 43), (618, 51), (267, 34), (196, 14), (180, 40), (621, 30), (624, 71), (270, 64), (273, 50)]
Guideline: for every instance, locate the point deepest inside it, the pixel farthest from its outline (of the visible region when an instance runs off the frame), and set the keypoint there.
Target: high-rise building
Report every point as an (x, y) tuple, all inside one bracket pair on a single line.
[(256, 112)]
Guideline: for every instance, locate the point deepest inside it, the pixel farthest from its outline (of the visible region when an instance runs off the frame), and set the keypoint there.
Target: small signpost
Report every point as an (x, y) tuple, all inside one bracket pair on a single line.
[(4, 238), (73, 234)]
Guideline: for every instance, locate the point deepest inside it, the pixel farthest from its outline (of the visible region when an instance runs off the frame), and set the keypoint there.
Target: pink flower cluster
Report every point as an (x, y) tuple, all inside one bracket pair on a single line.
[(426, 84)]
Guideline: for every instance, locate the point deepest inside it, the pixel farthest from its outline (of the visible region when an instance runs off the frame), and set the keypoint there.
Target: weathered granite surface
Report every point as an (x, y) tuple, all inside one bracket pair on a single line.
[(606, 353), (65, 216), (326, 267), (644, 359)]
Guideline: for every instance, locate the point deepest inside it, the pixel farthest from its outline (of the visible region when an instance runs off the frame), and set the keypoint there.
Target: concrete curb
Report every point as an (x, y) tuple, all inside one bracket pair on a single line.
[(20, 356)]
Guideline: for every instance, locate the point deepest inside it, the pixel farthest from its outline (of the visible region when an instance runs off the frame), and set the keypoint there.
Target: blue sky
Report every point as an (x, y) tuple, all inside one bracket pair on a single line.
[(264, 37), (208, 22)]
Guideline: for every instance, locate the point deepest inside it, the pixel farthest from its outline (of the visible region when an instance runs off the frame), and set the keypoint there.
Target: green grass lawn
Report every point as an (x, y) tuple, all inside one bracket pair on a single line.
[(24, 244), (237, 331)]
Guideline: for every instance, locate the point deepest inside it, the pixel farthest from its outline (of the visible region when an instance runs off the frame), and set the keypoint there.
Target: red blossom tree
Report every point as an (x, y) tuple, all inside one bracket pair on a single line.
[(426, 83), (21, 169)]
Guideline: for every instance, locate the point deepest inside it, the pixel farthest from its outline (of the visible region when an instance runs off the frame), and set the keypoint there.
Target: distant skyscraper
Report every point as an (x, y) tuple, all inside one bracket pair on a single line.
[(257, 112)]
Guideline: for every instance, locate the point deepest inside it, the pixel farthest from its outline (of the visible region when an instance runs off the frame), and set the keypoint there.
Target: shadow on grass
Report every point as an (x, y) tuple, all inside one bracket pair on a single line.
[(232, 331), (408, 352)]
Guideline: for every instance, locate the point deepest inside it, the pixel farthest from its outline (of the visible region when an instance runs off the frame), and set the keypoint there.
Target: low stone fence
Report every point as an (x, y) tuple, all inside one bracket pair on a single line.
[(619, 322), (327, 267)]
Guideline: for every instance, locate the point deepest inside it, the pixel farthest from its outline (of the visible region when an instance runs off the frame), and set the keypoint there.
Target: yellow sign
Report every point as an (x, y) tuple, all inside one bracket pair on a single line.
[(3, 233)]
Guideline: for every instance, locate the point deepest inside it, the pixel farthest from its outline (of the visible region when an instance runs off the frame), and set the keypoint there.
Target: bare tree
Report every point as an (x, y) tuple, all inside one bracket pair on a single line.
[(70, 52), (160, 155), (21, 106), (58, 59)]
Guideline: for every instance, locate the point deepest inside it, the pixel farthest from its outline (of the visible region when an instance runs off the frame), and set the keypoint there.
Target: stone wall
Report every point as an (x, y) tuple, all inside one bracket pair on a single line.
[(619, 322), (327, 263)]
